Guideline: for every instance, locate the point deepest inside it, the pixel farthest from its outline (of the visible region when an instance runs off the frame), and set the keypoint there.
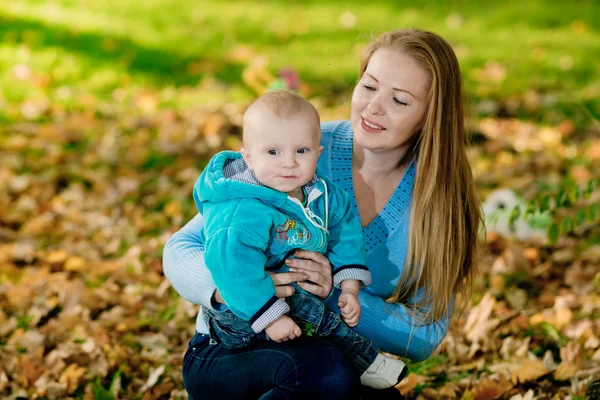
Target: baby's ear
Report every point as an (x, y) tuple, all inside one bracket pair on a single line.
[(320, 150), (246, 157)]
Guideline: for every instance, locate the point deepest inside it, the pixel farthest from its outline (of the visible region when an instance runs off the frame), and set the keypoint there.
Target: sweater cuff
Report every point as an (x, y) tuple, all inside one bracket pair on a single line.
[(354, 271), (207, 299), (269, 313)]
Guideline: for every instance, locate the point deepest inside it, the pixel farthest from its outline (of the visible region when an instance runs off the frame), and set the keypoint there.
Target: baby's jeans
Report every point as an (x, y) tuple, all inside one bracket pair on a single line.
[(314, 318)]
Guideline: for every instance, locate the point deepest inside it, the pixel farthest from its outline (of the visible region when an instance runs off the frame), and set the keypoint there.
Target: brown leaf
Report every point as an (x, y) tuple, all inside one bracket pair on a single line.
[(410, 382), (479, 323), (489, 389)]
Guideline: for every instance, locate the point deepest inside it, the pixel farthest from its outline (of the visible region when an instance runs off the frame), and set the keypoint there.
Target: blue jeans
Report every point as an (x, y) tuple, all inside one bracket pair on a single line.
[(312, 316), (298, 369)]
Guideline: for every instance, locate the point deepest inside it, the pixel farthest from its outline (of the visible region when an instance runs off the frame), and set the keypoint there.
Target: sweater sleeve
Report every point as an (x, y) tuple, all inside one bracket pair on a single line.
[(345, 250), (184, 267), (392, 327)]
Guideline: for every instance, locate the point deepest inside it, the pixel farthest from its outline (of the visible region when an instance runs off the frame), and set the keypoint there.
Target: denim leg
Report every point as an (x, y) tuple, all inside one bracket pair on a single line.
[(230, 330), (367, 393), (306, 309), (297, 369)]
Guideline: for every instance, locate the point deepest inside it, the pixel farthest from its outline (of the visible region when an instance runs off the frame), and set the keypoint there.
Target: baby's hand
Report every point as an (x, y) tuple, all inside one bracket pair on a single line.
[(283, 329), (350, 307)]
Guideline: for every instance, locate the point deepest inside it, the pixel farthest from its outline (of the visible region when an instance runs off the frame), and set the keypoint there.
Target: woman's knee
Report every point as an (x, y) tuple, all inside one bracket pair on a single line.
[(324, 371)]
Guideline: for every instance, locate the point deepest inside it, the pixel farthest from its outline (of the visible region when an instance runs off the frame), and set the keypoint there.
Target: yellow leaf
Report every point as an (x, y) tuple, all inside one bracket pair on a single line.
[(57, 257), (75, 264), (565, 371), (71, 377), (530, 371), (563, 314), (173, 209), (468, 395)]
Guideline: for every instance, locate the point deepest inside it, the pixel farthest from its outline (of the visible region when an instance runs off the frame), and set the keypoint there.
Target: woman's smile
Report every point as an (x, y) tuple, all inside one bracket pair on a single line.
[(370, 126)]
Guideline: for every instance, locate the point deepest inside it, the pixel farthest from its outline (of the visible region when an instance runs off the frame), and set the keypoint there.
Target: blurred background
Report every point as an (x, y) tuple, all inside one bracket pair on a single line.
[(109, 110)]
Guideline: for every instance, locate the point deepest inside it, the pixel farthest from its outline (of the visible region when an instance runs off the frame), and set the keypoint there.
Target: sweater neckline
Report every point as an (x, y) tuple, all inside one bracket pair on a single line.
[(394, 213)]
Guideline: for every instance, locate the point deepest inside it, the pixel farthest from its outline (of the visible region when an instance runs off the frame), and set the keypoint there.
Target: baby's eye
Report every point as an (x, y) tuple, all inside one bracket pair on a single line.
[(303, 150), (272, 152), (369, 87)]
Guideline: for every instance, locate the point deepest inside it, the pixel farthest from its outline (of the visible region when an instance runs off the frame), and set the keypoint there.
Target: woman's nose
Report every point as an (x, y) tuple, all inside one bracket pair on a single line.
[(374, 107)]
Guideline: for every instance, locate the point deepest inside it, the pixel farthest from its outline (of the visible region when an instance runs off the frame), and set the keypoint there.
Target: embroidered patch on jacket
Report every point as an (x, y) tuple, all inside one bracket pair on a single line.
[(292, 233)]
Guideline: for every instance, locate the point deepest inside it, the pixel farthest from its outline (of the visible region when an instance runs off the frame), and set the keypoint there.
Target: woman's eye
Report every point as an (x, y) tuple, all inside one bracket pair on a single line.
[(399, 102), (302, 151), (272, 152), (369, 88)]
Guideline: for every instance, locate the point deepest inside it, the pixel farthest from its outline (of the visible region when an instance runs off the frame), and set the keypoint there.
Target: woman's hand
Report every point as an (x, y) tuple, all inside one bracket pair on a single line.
[(281, 281), (318, 269), (307, 266)]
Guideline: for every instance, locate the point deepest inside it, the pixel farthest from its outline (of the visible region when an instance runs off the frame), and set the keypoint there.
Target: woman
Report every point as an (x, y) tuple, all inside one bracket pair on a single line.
[(401, 157)]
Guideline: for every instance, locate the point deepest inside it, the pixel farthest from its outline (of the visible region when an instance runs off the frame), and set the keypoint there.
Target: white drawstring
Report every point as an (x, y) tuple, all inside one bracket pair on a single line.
[(312, 217)]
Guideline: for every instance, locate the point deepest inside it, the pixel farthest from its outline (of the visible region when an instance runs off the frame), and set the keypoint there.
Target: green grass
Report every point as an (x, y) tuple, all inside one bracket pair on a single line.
[(549, 50)]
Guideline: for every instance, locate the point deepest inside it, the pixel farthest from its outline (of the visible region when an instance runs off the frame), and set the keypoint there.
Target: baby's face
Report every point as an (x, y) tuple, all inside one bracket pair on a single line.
[(283, 153)]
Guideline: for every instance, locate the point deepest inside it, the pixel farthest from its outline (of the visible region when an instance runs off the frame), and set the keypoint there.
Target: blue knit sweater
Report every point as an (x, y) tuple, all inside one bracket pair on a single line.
[(389, 325)]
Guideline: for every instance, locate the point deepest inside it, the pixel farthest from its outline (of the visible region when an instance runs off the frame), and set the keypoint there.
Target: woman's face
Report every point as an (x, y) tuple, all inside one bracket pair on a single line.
[(390, 101)]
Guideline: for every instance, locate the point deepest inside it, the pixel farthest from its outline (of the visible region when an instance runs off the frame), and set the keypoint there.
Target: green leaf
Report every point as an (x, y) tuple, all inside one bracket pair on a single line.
[(514, 216), (530, 209), (566, 224), (579, 218), (575, 194), (553, 233), (545, 203), (561, 199), (100, 392), (589, 189), (553, 333), (593, 210), (309, 329)]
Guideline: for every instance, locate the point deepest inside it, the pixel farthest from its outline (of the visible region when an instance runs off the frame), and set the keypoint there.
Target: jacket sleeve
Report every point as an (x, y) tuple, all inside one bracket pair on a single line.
[(393, 328), (236, 259), (346, 251)]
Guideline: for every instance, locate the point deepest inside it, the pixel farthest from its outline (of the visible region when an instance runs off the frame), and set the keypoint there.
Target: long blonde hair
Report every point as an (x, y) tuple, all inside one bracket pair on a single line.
[(445, 215)]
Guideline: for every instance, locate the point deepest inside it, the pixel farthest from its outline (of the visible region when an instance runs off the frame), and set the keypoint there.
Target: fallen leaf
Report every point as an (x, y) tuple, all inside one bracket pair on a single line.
[(152, 378), (529, 371), (489, 389), (71, 377), (410, 382)]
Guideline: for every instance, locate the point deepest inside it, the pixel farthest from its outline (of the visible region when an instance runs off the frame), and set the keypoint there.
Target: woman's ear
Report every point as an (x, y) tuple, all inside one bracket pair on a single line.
[(246, 157)]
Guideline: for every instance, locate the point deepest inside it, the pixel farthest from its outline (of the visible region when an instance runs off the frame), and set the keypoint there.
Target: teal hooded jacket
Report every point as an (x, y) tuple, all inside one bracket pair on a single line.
[(251, 229)]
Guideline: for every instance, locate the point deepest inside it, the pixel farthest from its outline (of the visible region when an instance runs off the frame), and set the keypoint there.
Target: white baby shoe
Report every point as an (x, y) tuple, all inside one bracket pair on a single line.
[(385, 372)]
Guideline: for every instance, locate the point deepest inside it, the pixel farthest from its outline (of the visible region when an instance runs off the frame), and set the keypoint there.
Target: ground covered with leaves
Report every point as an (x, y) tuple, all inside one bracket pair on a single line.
[(88, 200)]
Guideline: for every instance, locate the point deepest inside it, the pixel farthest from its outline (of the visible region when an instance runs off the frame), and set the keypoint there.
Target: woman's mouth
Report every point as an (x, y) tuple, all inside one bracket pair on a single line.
[(370, 126)]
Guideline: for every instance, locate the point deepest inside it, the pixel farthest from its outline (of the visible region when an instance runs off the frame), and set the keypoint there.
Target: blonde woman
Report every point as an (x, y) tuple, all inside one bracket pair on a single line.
[(402, 160)]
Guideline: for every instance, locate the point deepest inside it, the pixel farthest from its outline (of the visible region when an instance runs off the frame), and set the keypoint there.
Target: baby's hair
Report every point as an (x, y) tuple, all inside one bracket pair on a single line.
[(285, 104)]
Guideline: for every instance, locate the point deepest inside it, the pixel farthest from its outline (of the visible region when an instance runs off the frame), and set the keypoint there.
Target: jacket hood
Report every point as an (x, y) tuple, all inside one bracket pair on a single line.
[(227, 177)]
